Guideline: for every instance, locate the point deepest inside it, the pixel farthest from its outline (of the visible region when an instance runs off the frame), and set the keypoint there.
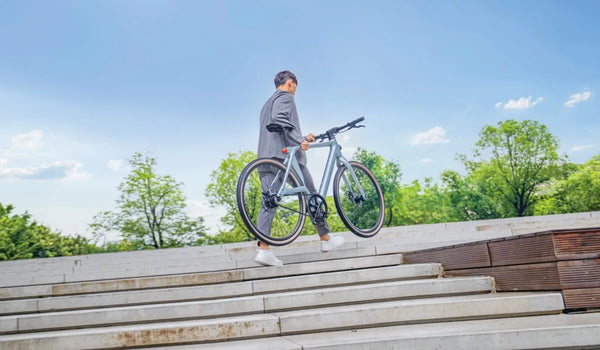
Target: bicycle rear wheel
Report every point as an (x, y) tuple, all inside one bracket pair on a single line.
[(271, 219), (363, 215)]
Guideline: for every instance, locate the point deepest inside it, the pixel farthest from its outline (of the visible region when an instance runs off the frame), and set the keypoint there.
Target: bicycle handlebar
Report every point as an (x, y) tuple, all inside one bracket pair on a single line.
[(333, 131)]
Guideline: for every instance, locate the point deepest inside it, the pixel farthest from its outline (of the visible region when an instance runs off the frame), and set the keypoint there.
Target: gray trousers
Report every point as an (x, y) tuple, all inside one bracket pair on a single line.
[(266, 215)]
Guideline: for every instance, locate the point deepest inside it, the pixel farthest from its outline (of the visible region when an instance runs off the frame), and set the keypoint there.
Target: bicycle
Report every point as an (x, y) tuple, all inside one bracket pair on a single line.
[(357, 195)]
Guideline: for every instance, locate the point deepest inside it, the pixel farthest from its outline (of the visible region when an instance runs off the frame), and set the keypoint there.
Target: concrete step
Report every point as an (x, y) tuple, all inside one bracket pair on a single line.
[(532, 332), (395, 246), (198, 278), (574, 331), (133, 269), (419, 310), (247, 305), (311, 254), (91, 261), (155, 258), (109, 257), (215, 291), (12, 280), (272, 324), (145, 335), (123, 264), (87, 264), (484, 229), (388, 273)]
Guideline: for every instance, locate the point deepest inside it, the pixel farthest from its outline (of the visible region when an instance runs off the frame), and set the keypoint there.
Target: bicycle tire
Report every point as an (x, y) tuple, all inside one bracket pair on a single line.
[(284, 217), (368, 218)]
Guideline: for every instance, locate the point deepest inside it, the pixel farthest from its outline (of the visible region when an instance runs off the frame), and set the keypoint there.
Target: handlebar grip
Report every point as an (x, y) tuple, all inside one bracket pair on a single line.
[(357, 120)]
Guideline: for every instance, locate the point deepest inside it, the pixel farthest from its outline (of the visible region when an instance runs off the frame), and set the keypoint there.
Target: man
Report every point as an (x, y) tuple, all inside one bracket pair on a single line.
[(280, 109)]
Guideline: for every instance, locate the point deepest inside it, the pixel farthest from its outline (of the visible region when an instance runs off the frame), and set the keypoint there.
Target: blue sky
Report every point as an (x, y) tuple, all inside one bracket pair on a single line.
[(85, 84)]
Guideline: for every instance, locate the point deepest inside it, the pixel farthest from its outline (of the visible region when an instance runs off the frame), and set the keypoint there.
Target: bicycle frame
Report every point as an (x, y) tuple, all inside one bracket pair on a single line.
[(335, 157)]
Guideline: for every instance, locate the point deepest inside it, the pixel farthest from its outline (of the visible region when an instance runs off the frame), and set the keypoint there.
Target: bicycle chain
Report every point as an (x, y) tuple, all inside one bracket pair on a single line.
[(321, 217)]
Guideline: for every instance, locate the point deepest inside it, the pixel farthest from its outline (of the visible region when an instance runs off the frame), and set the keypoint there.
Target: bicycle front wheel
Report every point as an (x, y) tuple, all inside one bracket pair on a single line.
[(271, 219), (358, 200)]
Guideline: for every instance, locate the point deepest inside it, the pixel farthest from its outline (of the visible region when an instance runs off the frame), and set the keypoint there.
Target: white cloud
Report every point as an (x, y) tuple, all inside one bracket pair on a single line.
[(434, 135), (66, 169), (27, 142), (29, 145), (581, 148), (521, 103), (26, 145), (116, 165), (426, 160), (577, 98)]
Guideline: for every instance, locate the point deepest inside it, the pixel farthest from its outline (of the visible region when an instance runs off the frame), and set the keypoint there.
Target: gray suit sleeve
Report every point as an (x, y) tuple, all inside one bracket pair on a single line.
[(281, 114)]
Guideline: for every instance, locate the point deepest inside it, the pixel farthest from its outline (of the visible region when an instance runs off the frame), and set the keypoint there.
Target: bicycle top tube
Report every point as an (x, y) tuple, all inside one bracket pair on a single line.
[(288, 150)]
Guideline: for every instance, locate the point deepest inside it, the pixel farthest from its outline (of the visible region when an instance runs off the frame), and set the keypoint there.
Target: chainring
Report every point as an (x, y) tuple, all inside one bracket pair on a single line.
[(317, 207)]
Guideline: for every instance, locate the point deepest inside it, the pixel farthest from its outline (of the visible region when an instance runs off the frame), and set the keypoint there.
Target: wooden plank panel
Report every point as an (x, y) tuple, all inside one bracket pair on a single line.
[(577, 245), (456, 257), (579, 273), (582, 298), (522, 250), (543, 276)]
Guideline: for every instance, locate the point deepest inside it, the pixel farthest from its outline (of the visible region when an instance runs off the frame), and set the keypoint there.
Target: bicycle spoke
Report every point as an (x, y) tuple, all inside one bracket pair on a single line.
[(362, 214), (268, 216)]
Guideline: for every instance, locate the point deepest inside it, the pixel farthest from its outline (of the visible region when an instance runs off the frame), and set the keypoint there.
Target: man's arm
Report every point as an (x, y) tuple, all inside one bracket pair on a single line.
[(281, 114)]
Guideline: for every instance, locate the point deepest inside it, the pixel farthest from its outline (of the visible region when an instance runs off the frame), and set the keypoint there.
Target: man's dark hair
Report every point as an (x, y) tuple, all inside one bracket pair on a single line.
[(282, 77)]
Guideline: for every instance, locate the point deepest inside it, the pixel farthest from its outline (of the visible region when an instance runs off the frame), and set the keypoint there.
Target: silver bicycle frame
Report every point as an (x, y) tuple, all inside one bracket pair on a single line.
[(335, 157)]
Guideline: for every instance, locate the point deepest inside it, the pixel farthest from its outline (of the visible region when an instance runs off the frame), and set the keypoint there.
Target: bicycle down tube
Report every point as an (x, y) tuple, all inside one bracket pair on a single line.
[(335, 156)]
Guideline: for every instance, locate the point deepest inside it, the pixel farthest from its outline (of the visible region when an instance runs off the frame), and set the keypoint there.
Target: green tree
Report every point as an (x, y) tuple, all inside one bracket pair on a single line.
[(23, 238), (514, 159), (221, 192), (579, 191), (468, 201), (418, 203), (150, 210), (388, 176)]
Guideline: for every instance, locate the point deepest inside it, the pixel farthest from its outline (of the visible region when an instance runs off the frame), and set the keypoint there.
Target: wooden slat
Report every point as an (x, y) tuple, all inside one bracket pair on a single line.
[(543, 276), (579, 273), (577, 244), (567, 260), (582, 298), (457, 257), (522, 250)]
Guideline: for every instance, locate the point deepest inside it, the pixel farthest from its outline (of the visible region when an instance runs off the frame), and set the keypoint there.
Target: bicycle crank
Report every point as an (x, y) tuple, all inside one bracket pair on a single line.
[(317, 207)]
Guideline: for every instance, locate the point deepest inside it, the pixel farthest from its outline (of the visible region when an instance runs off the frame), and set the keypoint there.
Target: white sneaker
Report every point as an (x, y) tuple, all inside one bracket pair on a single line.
[(332, 244), (267, 258)]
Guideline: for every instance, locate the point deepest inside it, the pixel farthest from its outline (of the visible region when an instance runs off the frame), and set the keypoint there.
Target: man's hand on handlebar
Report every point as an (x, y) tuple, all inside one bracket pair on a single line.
[(304, 145)]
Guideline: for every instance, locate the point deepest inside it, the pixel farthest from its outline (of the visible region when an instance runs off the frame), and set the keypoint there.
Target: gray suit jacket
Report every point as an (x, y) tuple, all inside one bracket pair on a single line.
[(280, 109)]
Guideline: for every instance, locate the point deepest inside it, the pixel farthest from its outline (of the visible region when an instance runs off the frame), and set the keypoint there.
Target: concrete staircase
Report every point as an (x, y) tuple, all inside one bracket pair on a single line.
[(360, 297)]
